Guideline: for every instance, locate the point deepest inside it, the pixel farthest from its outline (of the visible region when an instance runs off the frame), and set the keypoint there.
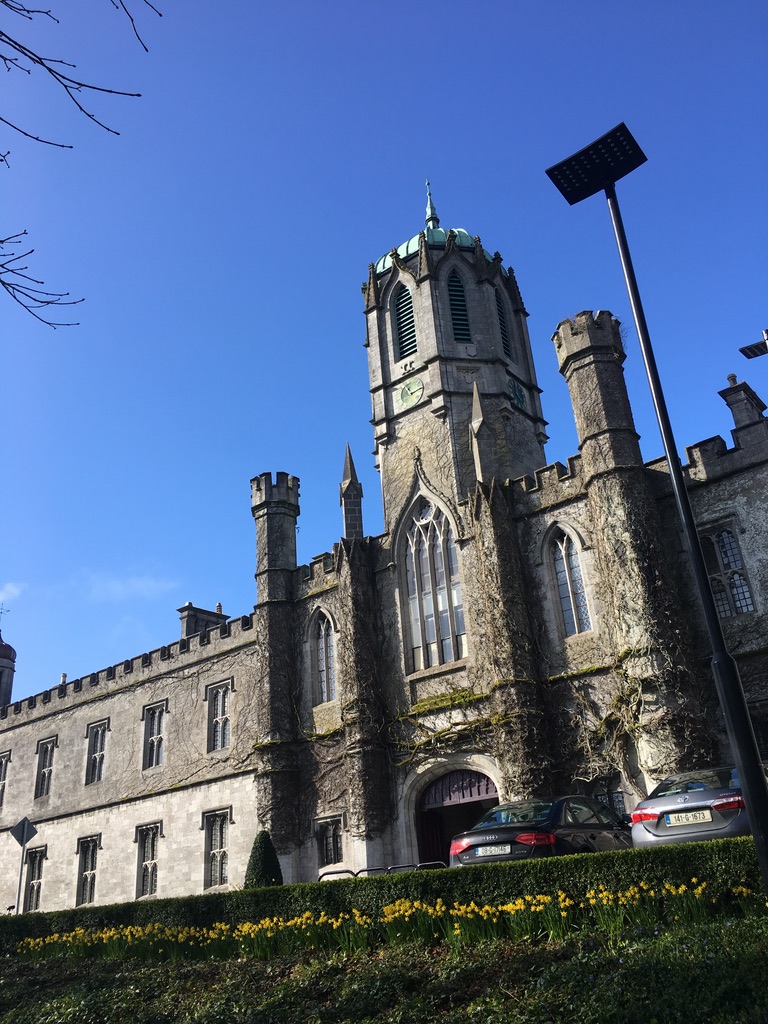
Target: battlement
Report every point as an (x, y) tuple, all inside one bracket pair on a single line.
[(549, 485), (282, 490), (712, 459), (320, 574), (587, 330), (141, 668)]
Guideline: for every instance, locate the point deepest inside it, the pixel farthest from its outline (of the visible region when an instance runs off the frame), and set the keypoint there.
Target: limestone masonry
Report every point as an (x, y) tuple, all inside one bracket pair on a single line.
[(519, 628)]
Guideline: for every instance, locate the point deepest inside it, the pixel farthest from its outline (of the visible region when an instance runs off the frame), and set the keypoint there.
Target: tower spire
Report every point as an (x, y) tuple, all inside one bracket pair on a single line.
[(351, 500), (433, 221)]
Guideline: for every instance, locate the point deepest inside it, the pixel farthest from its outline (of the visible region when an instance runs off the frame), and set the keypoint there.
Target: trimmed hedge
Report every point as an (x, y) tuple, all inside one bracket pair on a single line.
[(722, 864)]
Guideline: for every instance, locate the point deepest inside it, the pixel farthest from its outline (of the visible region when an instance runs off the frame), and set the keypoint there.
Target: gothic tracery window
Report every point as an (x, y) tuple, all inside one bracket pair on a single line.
[(97, 738), (45, 750), (433, 590), (216, 848), (219, 728), (147, 838), (727, 575), (331, 842), (324, 661), (570, 585), (35, 859), (154, 727), (87, 854)]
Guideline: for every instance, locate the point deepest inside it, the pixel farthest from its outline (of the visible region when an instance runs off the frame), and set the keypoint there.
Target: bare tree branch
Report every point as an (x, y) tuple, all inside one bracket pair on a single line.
[(16, 56), (21, 286)]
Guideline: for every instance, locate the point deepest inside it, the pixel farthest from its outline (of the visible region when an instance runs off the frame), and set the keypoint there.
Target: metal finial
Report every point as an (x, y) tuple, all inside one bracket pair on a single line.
[(433, 221)]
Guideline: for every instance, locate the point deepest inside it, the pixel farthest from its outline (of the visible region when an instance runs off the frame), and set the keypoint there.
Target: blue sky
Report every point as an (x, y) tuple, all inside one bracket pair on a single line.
[(220, 242)]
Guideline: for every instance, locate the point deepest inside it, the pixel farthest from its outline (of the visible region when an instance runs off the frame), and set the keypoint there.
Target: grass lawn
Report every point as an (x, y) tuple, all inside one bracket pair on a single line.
[(714, 972)]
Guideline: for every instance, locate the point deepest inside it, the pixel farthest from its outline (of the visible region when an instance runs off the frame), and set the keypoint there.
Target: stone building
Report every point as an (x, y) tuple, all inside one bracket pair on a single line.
[(518, 628)]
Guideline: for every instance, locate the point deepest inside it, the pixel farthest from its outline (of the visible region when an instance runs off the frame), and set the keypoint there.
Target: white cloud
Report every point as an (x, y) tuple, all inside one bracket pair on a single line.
[(10, 591), (102, 589)]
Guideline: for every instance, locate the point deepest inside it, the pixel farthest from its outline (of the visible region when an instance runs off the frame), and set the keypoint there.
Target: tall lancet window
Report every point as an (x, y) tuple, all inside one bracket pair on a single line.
[(405, 324), (458, 303), (325, 663), (433, 589), (727, 575), (570, 585)]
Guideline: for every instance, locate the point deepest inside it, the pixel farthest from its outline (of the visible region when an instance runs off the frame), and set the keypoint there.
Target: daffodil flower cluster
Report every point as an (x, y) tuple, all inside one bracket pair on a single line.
[(531, 917)]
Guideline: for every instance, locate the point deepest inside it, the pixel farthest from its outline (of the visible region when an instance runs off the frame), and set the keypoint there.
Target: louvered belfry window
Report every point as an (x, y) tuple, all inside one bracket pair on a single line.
[(458, 303), (404, 323), (505, 343)]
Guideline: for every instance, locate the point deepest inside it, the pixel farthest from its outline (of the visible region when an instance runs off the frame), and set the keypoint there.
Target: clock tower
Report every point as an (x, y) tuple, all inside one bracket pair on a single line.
[(453, 386)]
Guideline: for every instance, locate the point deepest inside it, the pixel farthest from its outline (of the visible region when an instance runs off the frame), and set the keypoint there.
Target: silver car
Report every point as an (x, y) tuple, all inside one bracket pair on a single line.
[(705, 804)]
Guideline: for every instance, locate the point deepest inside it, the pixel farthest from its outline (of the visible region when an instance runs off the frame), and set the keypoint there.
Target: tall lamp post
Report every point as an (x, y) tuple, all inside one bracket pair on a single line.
[(597, 168)]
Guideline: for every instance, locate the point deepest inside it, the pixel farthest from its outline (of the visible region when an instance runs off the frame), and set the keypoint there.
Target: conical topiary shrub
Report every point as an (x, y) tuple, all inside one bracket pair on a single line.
[(263, 865)]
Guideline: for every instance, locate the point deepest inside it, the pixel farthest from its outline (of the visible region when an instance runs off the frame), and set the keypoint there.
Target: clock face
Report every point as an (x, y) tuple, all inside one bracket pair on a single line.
[(411, 392)]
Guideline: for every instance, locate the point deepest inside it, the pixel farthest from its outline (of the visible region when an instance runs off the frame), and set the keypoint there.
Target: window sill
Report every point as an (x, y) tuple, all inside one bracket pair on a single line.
[(437, 670)]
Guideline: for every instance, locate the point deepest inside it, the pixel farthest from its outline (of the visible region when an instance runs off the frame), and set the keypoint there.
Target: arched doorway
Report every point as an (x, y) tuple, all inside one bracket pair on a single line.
[(451, 804)]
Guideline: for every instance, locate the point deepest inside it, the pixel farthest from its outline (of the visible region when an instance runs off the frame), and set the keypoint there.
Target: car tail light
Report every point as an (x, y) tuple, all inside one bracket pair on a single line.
[(536, 838), (459, 846), (729, 803), (643, 814)]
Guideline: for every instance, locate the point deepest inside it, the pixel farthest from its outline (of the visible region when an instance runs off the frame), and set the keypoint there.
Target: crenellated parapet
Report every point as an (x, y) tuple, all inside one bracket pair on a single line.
[(151, 665), (319, 575), (549, 486)]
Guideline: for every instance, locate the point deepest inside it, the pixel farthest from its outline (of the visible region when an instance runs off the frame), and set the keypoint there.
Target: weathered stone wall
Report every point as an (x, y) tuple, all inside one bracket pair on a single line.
[(189, 782)]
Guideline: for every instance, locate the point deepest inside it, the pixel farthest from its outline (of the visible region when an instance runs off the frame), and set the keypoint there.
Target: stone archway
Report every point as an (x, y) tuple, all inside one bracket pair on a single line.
[(450, 804)]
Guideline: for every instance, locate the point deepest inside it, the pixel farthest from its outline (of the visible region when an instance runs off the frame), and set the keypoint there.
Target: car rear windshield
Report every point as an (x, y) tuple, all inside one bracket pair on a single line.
[(691, 782), (518, 813)]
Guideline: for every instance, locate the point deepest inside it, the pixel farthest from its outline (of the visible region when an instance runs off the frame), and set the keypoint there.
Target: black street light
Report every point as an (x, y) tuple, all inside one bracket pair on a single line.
[(757, 348), (597, 168)]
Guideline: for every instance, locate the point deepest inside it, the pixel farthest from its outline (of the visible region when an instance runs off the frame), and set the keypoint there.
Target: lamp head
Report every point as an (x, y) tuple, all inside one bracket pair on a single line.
[(598, 165)]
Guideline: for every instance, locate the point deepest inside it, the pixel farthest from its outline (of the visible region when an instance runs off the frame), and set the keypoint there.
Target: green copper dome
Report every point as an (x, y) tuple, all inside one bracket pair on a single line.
[(436, 236)]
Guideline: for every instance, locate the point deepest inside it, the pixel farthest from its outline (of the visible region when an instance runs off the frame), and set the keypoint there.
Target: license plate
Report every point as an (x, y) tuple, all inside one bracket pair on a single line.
[(493, 851), (688, 817)]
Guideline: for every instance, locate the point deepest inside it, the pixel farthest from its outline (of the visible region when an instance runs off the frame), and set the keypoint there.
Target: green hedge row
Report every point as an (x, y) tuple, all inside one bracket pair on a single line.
[(722, 864)]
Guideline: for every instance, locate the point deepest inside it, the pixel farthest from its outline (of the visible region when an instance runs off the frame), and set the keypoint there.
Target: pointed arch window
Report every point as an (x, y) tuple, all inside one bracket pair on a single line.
[(727, 575), (457, 301), (570, 585), (505, 342), (324, 660), (405, 323), (433, 590)]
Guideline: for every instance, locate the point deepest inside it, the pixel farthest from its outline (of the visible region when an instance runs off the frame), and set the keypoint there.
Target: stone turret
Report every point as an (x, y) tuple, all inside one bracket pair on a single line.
[(351, 500), (591, 356), (639, 598), (275, 508), (7, 669)]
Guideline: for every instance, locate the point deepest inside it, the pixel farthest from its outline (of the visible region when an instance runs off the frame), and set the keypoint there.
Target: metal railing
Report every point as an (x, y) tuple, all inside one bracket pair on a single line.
[(393, 869)]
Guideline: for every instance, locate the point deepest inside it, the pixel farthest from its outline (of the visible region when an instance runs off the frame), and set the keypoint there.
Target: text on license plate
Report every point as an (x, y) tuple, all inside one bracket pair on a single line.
[(687, 817), (493, 851)]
